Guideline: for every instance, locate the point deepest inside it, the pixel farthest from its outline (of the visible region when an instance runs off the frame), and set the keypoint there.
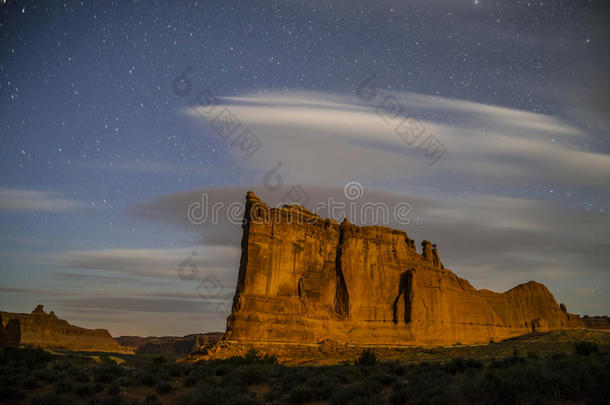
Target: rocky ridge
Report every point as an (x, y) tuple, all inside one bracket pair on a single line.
[(48, 331)]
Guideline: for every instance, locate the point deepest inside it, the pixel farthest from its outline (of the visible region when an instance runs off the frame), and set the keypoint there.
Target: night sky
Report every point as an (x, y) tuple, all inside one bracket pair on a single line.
[(105, 142)]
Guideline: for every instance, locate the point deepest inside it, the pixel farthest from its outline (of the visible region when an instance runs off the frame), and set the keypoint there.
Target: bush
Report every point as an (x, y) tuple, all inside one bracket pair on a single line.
[(11, 392), (367, 358), (63, 386), (366, 392), (301, 394), (163, 388), (190, 381), (45, 375), (460, 365), (55, 400), (151, 400), (107, 373), (147, 379), (31, 382), (114, 389), (585, 348), (84, 390), (28, 357)]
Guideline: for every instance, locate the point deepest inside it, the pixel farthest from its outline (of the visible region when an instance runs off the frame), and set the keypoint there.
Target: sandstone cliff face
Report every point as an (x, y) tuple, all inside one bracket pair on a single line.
[(48, 331), (305, 279)]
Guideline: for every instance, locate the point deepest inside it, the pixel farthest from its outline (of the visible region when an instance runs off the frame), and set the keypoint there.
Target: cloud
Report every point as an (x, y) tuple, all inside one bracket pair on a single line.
[(131, 304), (154, 263), (327, 139), (19, 200), (37, 292)]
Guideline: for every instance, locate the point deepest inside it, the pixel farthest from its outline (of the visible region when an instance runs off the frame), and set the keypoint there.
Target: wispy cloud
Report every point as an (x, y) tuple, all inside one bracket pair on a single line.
[(39, 292), (486, 144), (221, 260), (20, 200)]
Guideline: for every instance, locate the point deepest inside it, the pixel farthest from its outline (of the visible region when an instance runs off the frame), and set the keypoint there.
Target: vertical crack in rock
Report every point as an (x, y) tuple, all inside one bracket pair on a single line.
[(341, 295), (405, 291)]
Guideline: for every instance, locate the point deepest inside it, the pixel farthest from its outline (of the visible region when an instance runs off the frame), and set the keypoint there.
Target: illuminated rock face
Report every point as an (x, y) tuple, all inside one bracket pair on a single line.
[(305, 279)]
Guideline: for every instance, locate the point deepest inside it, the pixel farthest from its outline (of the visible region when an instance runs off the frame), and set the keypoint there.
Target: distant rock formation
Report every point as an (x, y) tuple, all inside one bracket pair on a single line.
[(170, 345), (11, 334), (305, 279), (596, 322), (48, 331)]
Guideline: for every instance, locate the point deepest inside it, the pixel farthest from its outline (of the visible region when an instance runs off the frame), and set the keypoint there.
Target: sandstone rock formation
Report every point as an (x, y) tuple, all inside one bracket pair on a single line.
[(48, 331), (304, 279), (11, 334), (170, 345)]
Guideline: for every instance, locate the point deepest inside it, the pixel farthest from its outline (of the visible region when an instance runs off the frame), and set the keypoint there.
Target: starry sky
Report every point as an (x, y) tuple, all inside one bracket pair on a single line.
[(109, 126)]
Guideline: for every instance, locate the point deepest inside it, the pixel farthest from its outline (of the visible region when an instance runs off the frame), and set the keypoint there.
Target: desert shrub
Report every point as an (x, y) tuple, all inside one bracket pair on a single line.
[(303, 386), (28, 357), (460, 365), (532, 355), (251, 373), (151, 400), (190, 380), (107, 372), (11, 391), (292, 377), (63, 386), (364, 392), (345, 375), (323, 386), (384, 377), (399, 394), (112, 400), (163, 388), (396, 367), (585, 348), (45, 375), (301, 394), (507, 362), (54, 399), (204, 394), (31, 382), (366, 358), (176, 370), (84, 390), (159, 361), (251, 357), (147, 379), (114, 389), (79, 376), (429, 386)]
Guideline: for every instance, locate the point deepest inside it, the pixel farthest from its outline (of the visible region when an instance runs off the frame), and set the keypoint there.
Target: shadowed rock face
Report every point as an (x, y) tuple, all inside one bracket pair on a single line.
[(48, 331), (170, 345), (11, 334), (305, 279)]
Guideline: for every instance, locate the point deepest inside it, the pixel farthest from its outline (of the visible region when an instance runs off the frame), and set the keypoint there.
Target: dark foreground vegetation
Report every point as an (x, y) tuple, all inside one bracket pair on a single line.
[(33, 376)]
